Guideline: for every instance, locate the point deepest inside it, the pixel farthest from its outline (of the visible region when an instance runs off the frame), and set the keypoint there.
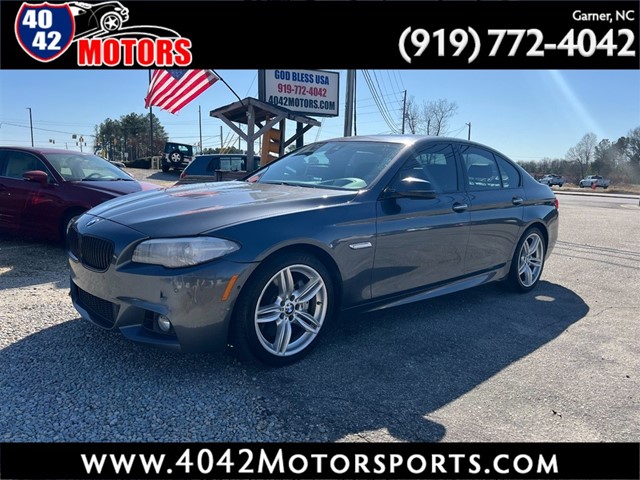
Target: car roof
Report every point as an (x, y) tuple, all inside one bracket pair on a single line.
[(43, 150), (411, 140)]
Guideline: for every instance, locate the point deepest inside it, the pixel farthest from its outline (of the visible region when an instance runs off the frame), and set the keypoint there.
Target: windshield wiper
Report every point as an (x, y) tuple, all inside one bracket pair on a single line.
[(289, 184)]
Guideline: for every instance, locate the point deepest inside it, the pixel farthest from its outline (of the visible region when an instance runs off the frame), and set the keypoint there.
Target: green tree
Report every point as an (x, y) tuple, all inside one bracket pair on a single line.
[(130, 135)]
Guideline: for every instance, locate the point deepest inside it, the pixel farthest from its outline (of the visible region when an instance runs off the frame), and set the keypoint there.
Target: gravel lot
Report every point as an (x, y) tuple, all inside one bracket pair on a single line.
[(559, 364)]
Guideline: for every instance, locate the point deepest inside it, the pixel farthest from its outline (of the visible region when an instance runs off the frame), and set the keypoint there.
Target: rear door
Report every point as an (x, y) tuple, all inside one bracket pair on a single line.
[(496, 208)]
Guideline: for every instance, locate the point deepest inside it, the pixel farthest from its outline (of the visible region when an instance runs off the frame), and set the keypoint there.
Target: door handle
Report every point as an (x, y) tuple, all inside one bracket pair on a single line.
[(517, 200), (460, 207)]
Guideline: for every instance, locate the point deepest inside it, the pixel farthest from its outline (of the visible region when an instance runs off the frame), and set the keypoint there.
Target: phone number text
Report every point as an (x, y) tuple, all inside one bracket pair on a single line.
[(584, 42), (302, 90)]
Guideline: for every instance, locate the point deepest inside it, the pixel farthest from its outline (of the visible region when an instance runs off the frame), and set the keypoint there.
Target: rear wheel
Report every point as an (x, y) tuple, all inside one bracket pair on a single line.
[(528, 261), (176, 158), (283, 309)]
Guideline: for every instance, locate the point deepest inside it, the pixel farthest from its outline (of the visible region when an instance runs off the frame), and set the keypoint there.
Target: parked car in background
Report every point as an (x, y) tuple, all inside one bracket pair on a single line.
[(43, 189), (176, 156), (263, 264), (117, 163), (217, 167), (589, 180), (553, 179)]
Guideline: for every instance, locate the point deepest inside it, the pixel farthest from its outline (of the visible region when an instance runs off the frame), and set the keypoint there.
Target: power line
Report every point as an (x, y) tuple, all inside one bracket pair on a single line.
[(395, 77), (382, 97), (397, 93), (47, 129), (383, 112)]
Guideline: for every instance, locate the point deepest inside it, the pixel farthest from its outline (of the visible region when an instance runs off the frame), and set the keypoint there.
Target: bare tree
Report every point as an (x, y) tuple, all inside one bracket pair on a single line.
[(412, 117), (582, 153), (436, 116), (633, 146)]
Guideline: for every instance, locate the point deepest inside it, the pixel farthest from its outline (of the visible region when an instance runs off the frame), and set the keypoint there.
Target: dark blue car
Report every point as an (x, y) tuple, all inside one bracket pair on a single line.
[(265, 263)]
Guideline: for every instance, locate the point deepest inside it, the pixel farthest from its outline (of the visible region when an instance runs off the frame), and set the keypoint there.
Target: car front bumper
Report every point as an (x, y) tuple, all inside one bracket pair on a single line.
[(131, 298)]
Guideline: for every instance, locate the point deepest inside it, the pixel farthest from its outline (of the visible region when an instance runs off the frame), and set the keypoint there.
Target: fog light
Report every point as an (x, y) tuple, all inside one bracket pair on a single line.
[(164, 323)]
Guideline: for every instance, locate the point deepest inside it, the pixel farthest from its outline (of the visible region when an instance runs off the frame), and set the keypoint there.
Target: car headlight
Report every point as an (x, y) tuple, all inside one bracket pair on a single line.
[(182, 252)]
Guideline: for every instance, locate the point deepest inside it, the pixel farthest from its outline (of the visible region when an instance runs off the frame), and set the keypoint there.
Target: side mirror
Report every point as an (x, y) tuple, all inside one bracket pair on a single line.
[(37, 176), (412, 187)]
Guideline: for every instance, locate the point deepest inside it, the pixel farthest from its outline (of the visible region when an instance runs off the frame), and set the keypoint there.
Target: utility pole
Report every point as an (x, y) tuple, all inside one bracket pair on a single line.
[(221, 141), (355, 125), (200, 125), (469, 134), (150, 124), (404, 110), (30, 124), (348, 110)]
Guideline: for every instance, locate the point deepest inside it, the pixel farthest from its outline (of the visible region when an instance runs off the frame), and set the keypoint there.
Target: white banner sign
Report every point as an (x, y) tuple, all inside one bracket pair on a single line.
[(309, 92)]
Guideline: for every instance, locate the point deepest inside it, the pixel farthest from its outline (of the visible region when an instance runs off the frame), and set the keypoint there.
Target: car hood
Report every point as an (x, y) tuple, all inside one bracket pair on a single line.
[(116, 187), (203, 207)]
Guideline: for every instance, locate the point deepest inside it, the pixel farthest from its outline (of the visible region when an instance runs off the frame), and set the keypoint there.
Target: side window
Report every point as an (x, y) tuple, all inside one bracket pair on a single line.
[(17, 163), (437, 164), (482, 169), (231, 163), (199, 166), (509, 173)]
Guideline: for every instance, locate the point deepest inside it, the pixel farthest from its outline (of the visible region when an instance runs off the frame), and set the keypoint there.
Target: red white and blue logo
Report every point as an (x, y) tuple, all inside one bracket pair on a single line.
[(103, 35), (45, 31)]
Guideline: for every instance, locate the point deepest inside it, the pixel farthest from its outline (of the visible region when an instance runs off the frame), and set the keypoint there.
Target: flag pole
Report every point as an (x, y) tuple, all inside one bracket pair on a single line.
[(229, 87), (150, 125), (200, 125)]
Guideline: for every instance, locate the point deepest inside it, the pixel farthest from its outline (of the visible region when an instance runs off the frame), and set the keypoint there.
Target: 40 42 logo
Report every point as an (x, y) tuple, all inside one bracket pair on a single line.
[(102, 35)]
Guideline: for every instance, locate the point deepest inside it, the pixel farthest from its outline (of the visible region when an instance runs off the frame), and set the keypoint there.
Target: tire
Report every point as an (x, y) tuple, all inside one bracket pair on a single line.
[(528, 261), (176, 158), (111, 22), (283, 310)]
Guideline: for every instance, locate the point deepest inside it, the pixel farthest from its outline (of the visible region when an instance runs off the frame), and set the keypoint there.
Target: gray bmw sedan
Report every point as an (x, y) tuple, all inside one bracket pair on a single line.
[(266, 262)]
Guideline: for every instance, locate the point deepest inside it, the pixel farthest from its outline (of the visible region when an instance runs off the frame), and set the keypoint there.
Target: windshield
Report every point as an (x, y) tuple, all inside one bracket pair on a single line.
[(77, 166), (351, 165)]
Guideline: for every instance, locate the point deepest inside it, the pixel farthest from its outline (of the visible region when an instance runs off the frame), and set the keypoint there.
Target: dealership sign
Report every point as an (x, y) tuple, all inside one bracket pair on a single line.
[(310, 92), (103, 34)]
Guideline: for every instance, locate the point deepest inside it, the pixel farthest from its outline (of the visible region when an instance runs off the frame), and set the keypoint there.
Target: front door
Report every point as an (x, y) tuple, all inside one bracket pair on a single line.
[(422, 241)]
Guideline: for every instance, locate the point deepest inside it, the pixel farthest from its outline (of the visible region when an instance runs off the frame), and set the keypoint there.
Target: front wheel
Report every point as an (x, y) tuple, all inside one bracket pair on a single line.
[(283, 309), (528, 261)]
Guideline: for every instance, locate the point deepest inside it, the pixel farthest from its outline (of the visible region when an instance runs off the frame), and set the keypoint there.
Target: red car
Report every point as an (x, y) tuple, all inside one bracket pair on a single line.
[(43, 189)]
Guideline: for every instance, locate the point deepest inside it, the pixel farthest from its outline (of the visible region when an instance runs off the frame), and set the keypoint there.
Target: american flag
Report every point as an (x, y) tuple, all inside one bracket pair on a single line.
[(173, 89)]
